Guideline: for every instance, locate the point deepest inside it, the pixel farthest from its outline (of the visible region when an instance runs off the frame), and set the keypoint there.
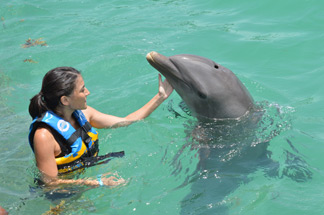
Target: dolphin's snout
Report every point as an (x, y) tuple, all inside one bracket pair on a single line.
[(163, 65), (156, 59), (154, 56), (148, 56)]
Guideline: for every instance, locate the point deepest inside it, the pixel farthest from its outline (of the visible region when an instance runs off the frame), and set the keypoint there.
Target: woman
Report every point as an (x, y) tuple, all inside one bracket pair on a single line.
[(62, 134)]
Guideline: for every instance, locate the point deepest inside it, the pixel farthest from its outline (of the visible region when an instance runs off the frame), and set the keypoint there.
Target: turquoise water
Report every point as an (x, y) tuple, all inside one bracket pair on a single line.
[(275, 48)]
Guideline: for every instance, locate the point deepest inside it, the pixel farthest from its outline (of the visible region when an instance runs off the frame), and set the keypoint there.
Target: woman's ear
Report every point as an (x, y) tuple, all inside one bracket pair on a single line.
[(65, 100)]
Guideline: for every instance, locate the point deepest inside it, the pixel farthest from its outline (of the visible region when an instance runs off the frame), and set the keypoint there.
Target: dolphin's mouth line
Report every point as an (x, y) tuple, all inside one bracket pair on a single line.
[(149, 57), (156, 64), (160, 67)]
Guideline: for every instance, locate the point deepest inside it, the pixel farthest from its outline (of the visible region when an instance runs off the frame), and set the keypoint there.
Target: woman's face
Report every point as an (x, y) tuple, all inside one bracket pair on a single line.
[(78, 98)]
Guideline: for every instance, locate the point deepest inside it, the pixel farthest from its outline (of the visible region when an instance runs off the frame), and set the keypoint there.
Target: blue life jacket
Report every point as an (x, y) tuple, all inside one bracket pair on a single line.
[(76, 145)]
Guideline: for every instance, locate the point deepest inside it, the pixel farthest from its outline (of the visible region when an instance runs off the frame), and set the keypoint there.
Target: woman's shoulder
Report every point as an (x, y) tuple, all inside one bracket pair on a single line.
[(43, 133), (89, 112), (43, 137)]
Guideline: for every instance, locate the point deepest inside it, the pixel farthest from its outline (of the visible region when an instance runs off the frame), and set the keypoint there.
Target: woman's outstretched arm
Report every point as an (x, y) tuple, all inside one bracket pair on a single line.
[(101, 120)]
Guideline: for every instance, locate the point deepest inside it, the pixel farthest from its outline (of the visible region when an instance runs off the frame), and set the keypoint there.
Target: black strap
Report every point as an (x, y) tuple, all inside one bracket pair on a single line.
[(81, 132), (92, 161), (102, 157)]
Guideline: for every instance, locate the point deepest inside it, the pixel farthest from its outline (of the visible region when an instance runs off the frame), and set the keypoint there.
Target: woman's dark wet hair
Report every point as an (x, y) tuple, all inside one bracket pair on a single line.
[(57, 82)]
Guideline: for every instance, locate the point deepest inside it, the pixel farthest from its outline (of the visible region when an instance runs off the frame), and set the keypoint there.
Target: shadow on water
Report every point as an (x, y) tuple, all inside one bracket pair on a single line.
[(229, 151)]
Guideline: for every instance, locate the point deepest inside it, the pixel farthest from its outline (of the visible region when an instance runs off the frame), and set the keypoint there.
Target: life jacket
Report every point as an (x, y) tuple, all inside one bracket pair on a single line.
[(79, 147)]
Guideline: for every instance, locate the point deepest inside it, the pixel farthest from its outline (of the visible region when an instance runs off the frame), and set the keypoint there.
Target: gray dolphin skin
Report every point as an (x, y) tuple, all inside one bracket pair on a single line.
[(209, 89)]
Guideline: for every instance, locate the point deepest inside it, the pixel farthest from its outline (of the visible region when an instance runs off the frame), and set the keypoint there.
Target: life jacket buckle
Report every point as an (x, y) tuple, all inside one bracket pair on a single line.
[(87, 140)]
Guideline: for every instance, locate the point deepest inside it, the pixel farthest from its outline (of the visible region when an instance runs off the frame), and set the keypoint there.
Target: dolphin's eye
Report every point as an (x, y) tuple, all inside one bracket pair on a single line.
[(201, 95), (216, 66)]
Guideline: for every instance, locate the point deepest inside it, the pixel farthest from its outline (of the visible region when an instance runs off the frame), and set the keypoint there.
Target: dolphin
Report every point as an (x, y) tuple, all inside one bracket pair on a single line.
[(228, 150), (215, 96), (210, 90)]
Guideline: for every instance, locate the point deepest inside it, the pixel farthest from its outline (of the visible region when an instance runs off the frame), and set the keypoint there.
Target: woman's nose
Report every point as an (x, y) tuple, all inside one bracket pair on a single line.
[(87, 91)]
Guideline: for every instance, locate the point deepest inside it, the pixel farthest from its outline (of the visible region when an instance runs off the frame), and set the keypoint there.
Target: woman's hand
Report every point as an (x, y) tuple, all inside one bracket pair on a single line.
[(112, 181), (165, 88)]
